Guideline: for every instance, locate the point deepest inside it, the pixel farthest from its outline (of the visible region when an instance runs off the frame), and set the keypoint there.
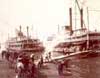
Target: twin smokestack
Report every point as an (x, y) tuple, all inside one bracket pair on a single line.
[(81, 17), (27, 30)]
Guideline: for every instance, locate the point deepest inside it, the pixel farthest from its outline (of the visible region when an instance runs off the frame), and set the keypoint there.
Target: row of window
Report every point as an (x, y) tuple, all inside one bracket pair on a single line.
[(24, 46)]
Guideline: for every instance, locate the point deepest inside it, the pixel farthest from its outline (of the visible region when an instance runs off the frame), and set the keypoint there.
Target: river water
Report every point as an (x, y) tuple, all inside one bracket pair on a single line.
[(85, 68)]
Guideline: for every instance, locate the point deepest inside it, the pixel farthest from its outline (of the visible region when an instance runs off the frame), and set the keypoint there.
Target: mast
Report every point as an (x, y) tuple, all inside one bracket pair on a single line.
[(58, 29), (88, 29), (75, 16), (88, 17)]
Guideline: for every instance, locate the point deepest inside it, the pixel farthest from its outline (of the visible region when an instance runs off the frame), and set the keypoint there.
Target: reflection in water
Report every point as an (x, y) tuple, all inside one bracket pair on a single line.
[(85, 68)]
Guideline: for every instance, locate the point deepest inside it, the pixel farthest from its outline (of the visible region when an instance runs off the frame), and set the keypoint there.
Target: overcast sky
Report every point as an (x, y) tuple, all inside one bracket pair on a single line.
[(42, 16)]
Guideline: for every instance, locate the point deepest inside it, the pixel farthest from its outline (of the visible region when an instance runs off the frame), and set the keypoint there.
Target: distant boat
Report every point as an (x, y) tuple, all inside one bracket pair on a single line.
[(22, 43)]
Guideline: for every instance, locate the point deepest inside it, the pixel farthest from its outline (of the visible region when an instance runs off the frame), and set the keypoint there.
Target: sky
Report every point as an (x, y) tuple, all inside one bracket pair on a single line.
[(42, 16)]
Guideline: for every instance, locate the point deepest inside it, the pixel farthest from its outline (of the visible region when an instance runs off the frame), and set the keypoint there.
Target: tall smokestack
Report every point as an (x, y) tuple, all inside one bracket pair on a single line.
[(20, 28), (27, 31), (70, 17), (81, 17)]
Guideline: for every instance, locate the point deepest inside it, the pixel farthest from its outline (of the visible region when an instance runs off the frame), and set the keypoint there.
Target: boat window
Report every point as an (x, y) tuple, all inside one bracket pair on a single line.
[(28, 45)]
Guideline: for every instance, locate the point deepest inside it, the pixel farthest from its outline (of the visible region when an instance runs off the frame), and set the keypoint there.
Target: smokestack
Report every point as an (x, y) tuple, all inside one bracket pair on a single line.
[(20, 28), (70, 17), (27, 31), (81, 17)]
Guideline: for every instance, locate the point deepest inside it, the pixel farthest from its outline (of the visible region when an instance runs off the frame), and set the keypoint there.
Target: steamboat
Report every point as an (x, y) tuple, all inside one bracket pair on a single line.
[(79, 41), (22, 43)]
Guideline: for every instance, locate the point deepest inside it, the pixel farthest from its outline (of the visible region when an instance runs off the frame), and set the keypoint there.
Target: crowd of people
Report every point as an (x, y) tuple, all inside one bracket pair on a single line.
[(25, 67), (24, 64)]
